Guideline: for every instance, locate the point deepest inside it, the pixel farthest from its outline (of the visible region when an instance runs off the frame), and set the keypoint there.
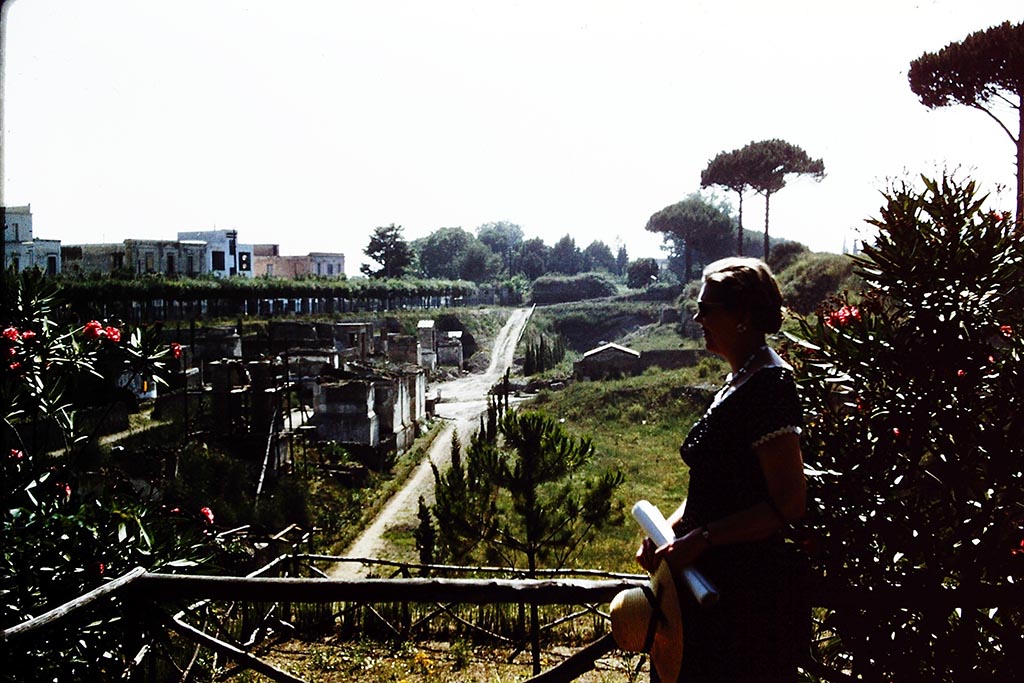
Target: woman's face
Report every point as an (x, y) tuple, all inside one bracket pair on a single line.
[(718, 322)]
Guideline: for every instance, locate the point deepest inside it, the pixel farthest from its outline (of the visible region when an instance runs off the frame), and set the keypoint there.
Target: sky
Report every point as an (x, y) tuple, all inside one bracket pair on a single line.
[(309, 123)]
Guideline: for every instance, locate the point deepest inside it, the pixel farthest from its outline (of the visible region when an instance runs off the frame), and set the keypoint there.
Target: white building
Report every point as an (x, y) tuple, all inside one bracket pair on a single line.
[(21, 249), (224, 256)]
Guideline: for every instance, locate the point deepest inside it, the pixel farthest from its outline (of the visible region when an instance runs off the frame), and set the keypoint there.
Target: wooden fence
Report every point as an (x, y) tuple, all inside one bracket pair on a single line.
[(140, 587)]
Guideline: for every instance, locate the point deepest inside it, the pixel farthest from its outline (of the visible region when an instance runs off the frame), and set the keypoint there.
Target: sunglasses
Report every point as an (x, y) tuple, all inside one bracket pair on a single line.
[(705, 307)]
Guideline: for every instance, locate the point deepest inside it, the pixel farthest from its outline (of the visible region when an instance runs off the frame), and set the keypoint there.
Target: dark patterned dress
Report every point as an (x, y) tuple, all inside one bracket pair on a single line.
[(760, 629)]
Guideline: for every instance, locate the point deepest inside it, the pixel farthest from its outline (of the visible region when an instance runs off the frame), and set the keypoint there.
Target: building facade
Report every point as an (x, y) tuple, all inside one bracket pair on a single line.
[(22, 250), (267, 260), (224, 256)]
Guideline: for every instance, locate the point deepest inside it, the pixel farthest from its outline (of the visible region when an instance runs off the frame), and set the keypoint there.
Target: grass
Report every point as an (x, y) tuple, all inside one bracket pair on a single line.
[(459, 661), (637, 425)]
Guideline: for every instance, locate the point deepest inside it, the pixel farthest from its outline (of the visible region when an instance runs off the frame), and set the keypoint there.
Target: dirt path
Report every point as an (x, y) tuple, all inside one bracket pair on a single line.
[(462, 402)]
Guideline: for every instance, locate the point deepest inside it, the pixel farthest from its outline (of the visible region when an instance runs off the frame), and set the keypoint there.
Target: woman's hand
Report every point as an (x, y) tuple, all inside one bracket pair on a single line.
[(683, 551), (645, 556)]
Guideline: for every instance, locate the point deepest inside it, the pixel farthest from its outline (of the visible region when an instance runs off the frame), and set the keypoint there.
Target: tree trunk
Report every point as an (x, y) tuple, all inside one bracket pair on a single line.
[(767, 202), (739, 243), (689, 261), (1020, 164)]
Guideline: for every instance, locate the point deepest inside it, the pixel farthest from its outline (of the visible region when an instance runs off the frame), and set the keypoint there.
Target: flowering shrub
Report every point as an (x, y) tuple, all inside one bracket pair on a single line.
[(915, 429), (65, 530)]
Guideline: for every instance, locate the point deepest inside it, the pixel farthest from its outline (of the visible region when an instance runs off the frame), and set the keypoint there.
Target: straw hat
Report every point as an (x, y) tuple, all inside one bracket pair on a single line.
[(647, 619)]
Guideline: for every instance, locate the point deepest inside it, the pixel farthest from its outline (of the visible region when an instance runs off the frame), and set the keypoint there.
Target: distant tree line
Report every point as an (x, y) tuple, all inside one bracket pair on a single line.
[(497, 251)]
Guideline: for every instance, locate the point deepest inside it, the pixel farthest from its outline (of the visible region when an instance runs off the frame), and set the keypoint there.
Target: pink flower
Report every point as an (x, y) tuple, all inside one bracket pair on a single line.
[(100, 568), (207, 514), (113, 334), (11, 334), (66, 488), (15, 366), (896, 432), (16, 454), (176, 350), (960, 373), (842, 316), (93, 330), (1007, 330), (28, 335)]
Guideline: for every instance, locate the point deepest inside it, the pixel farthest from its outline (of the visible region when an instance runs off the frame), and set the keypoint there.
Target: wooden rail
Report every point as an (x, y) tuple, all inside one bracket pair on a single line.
[(141, 586), (59, 613), (468, 591)]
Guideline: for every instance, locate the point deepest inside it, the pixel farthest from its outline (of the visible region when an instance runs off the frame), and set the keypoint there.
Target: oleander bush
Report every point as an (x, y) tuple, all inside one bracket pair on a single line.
[(69, 524), (913, 392)]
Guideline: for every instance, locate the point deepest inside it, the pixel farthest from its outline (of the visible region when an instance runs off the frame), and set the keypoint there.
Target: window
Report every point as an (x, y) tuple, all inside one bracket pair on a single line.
[(170, 264), (270, 269), (51, 265), (330, 269), (191, 264), (150, 262), (116, 261), (218, 260)]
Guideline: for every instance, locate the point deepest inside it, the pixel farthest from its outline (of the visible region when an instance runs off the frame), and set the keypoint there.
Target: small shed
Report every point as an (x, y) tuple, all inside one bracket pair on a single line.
[(607, 360)]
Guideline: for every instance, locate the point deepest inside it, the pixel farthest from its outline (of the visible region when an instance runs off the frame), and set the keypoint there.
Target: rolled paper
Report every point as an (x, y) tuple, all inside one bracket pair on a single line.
[(653, 523), (660, 532)]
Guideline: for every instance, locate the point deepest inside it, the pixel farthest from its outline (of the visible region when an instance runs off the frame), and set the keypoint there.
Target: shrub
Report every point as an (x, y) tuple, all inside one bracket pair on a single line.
[(916, 431), (812, 277), (67, 530), (783, 254), (641, 273), (553, 289)]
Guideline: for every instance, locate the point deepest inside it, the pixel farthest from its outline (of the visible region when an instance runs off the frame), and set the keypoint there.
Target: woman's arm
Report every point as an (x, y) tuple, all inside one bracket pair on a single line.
[(783, 467)]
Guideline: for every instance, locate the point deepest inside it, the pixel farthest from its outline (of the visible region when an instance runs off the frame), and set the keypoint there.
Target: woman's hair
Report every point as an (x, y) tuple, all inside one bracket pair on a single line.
[(747, 284)]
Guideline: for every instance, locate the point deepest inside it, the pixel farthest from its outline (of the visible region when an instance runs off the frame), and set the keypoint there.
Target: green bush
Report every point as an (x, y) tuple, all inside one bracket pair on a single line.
[(812, 277), (783, 253), (915, 429), (553, 289), (67, 527)]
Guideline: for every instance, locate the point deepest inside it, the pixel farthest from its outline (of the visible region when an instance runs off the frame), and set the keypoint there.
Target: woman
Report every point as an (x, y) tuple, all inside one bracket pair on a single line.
[(746, 486)]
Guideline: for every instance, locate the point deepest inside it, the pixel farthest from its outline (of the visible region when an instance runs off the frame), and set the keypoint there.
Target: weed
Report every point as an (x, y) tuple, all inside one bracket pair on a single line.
[(461, 653)]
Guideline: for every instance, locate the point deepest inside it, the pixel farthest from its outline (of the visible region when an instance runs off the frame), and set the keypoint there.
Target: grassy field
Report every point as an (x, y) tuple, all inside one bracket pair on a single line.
[(636, 424)]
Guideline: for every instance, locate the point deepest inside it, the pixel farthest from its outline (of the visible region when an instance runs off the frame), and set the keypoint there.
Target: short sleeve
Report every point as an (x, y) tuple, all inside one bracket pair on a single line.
[(778, 409)]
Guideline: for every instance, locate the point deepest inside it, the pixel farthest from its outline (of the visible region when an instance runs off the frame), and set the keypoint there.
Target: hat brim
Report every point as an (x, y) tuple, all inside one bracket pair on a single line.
[(667, 647)]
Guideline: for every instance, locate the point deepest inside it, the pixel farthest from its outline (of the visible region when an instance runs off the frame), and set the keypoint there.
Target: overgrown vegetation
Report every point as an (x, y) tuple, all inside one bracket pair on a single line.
[(811, 277), (583, 325), (553, 289), (915, 429), (68, 524)]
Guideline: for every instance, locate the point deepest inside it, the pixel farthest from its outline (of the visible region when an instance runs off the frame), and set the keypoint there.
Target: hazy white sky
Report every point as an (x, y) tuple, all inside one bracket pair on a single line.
[(309, 123)]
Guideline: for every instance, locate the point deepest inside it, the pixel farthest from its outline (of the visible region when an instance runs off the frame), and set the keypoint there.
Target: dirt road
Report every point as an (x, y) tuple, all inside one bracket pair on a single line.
[(462, 401)]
